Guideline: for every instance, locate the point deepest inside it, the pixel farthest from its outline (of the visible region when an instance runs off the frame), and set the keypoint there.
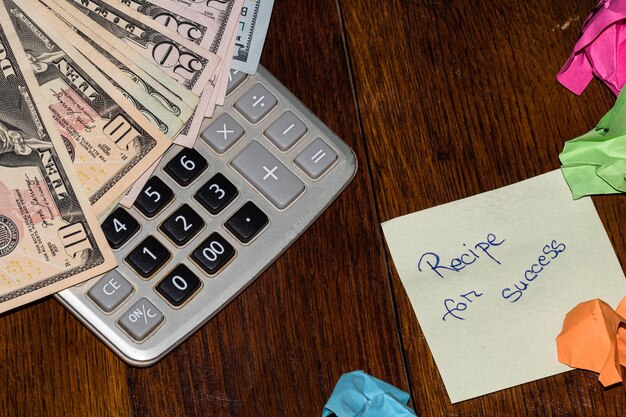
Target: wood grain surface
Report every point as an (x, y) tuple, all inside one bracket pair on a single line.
[(440, 99)]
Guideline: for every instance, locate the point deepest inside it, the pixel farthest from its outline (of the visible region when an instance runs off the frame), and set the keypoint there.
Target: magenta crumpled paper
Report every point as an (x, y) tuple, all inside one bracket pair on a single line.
[(600, 50)]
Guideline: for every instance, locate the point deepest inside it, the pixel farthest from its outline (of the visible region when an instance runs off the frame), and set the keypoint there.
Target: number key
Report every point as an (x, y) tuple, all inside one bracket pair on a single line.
[(178, 285), (182, 225), (119, 227), (148, 257), (216, 194), (213, 253), (186, 166), (154, 197)]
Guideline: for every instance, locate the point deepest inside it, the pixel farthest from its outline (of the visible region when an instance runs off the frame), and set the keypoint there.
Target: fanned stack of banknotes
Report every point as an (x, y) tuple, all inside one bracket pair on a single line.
[(92, 93)]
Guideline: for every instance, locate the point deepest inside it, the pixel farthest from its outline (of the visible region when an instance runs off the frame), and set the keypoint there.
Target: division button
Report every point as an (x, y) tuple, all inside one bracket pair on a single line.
[(110, 291), (256, 103), (141, 319), (268, 175)]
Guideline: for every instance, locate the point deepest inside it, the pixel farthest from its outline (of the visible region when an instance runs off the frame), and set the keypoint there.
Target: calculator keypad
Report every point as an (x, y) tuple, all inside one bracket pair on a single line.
[(216, 194), (182, 225), (268, 175), (186, 166), (148, 257), (119, 227), (154, 196), (213, 253), (247, 222), (211, 218)]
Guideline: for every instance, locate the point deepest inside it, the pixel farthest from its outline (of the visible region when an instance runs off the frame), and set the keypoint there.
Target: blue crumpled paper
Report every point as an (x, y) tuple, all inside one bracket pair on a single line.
[(358, 394)]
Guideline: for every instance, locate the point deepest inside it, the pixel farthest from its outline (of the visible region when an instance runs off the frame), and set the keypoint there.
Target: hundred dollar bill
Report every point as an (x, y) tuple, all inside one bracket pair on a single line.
[(49, 236), (174, 97), (110, 142), (166, 121), (253, 24)]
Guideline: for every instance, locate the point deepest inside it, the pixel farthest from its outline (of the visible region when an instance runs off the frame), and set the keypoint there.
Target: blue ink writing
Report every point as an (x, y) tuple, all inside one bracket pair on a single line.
[(550, 252), (460, 306), (433, 261)]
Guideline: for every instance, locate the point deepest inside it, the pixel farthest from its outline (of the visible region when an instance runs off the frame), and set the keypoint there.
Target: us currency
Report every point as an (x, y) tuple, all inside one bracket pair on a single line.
[(179, 58), (49, 236), (111, 144), (253, 24), (174, 97), (212, 33), (166, 121)]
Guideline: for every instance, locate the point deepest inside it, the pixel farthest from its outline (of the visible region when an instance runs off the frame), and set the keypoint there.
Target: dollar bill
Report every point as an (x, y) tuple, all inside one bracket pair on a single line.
[(110, 142), (174, 97), (160, 116), (253, 24), (49, 236), (179, 58)]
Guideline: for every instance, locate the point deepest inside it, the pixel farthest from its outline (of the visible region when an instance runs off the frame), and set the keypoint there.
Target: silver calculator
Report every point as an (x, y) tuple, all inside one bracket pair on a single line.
[(212, 218)]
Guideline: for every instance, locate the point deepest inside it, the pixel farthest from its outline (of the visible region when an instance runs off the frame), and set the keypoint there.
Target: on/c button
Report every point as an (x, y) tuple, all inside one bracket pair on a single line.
[(110, 291)]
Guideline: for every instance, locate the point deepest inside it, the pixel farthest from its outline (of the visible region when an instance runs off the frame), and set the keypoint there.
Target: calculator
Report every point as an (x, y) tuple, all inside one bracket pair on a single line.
[(211, 219)]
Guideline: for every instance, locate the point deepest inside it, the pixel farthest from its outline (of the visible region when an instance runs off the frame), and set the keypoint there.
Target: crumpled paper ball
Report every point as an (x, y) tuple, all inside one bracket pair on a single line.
[(600, 50)]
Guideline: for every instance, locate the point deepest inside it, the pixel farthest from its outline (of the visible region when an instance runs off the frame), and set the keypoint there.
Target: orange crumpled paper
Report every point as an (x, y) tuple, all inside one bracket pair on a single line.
[(594, 338)]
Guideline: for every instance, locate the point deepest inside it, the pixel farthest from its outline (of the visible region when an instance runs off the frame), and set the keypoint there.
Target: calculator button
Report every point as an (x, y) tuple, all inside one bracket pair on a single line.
[(216, 194), (213, 253), (223, 133), (141, 319), (154, 197), (286, 131), (148, 257), (268, 175), (119, 227), (186, 166), (316, 158), (247, 222), (182, 225), (178, 285), (110, 291), (235, 78), (256, 103)]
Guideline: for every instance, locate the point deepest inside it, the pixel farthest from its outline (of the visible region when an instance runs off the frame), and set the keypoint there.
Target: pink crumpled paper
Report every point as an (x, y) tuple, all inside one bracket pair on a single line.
[(600, 50)]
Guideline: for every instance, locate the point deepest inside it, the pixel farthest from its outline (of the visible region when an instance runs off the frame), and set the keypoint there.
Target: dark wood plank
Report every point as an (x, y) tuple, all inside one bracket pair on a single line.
[(51, 365), (458, 98), (325, 307)]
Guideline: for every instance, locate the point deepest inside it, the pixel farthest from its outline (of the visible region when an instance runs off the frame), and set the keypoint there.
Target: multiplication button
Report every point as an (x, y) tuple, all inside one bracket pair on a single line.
[(267, 174), (110, 291), (223, 133), (141, 319)]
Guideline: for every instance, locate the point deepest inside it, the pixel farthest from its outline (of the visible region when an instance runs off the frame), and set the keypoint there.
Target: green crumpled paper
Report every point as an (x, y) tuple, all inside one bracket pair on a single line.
[(595, 163)]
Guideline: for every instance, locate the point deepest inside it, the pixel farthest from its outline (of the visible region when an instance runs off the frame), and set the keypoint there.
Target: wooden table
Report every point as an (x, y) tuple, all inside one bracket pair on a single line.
[(440, 99)]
